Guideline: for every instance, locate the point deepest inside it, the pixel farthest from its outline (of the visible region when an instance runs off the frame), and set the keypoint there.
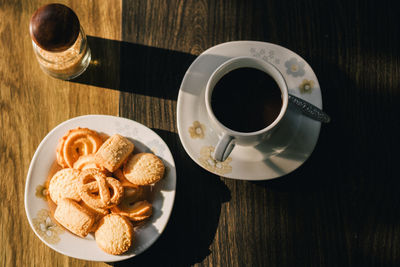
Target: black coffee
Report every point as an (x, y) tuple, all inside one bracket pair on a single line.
[(246, 100)]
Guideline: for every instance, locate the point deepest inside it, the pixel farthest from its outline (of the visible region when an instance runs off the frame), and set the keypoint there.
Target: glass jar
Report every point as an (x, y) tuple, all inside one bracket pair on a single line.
[(59, 42)]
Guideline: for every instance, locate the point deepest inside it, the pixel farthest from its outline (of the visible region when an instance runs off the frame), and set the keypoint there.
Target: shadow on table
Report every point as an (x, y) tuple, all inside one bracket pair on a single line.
[(347, 192), (132, 68), (150, 71), (195, 215)]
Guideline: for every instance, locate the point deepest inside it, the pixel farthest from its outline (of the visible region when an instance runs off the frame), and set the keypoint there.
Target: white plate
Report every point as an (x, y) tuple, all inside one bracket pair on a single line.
[(86, 248), (290, 145)]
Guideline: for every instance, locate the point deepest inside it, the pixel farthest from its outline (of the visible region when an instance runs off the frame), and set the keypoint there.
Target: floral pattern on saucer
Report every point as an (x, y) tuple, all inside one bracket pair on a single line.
[(250, 163), (262, 53), (209, 163), (197, 130), (294, 67), (46, 228), (306, 86)]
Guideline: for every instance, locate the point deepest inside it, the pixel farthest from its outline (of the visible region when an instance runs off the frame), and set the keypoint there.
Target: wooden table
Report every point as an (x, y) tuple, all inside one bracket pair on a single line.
[(339, 209)]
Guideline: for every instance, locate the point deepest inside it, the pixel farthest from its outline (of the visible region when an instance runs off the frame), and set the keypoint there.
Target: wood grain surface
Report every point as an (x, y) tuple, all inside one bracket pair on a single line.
[(339, 209), (31, 104)]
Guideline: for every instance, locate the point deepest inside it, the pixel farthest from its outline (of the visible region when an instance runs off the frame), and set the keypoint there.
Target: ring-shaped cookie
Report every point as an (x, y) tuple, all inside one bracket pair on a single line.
[(75, 143), (117, 191)]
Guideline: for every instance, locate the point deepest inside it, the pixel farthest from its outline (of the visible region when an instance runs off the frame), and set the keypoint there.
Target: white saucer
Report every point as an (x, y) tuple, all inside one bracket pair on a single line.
[(291, 144), (62, 241)]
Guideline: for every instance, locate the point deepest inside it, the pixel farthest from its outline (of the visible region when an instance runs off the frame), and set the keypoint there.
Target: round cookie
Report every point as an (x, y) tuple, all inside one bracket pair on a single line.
[(64, 184), (114, 234), (144, 169)]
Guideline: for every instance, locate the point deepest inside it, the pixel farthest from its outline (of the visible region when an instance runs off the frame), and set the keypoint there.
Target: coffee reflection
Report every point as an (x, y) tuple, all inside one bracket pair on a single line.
[(246, 100)]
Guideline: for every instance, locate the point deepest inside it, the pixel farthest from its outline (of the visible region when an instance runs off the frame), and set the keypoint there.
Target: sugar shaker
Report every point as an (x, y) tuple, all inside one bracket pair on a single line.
[(59, 41)]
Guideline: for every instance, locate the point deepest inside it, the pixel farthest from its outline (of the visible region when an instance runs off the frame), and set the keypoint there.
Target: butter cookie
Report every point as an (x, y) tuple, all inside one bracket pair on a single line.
[(64, 184), (144, 169), (74, 217), (75, 143), (114, 151), (114, 234)]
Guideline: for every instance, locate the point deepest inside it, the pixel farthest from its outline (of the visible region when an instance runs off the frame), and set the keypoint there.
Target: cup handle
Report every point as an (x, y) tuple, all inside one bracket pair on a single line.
[(224, 147)]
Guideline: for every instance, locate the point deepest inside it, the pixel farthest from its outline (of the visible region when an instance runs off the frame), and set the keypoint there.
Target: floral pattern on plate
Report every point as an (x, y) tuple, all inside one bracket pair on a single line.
[(126, 130), (38, 211), (46, 228), (42, 191)]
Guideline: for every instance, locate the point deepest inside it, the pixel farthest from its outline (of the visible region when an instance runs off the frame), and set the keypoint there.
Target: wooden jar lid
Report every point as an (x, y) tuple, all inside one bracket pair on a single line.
[(54, 27)]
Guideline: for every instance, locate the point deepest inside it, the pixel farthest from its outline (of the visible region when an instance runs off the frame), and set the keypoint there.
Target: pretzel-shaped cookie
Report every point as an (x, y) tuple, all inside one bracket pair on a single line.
[(117, 189), (94, 189)]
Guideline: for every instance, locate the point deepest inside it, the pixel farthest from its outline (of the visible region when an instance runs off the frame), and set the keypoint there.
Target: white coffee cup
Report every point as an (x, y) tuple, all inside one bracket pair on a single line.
[(228, 138)]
